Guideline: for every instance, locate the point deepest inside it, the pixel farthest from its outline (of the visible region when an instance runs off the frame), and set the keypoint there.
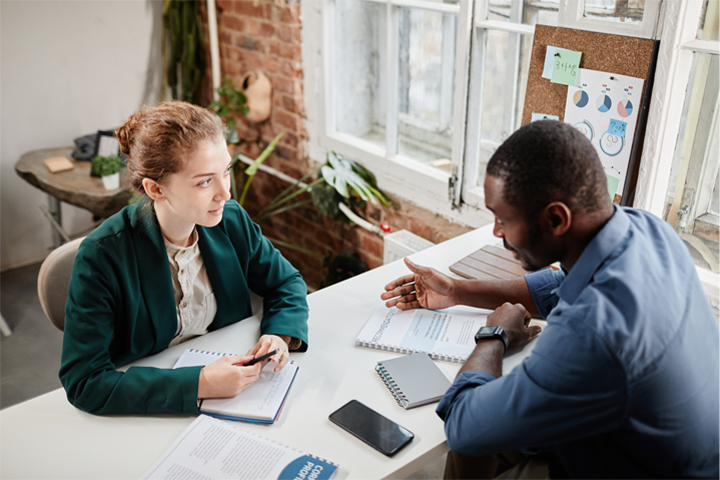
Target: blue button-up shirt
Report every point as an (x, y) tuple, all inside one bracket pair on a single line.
[(623, 381)]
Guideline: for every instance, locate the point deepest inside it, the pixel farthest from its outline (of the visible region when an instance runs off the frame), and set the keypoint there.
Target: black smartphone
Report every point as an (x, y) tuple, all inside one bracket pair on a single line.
[(372, 428)]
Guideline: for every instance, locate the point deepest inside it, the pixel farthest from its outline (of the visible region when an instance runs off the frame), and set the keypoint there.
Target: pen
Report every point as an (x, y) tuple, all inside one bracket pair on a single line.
[(260, 359)]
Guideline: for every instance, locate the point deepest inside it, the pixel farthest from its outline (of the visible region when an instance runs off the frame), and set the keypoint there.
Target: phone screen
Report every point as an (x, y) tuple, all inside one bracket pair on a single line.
[(369, 426)]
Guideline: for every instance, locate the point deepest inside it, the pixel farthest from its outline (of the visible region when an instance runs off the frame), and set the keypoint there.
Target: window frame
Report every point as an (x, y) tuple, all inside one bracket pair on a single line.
[(397, 174), (450, 194)]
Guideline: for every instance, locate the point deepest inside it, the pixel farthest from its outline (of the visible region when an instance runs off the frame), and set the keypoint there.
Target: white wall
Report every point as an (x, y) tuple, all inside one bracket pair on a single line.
[(67, 68)]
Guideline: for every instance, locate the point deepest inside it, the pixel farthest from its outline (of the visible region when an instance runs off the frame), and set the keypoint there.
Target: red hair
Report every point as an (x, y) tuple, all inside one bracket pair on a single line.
[(158, 139)]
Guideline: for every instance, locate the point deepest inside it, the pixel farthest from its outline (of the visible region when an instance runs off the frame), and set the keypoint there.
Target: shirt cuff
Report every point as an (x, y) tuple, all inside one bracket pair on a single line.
[(462, 382), (542, 285)]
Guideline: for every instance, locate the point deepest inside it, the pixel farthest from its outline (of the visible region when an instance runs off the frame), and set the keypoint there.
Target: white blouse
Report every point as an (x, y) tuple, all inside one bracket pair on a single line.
[(194, 297)]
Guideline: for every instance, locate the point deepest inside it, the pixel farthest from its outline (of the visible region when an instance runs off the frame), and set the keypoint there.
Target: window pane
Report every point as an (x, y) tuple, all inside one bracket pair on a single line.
[(451, 2), (529, 12), (426, 84), (359, 69), (708, 27), (692, 197), (507, 61), (627, 11)]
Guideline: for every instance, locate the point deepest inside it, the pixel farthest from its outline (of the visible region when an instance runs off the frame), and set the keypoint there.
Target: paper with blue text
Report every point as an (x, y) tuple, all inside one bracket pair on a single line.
[(212, 449), (443, 334)]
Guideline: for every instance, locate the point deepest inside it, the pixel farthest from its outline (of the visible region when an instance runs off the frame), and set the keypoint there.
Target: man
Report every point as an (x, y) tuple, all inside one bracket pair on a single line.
[(623, 381)]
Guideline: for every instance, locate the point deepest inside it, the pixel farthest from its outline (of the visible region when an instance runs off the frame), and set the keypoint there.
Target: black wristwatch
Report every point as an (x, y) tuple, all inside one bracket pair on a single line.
[(492, 332)]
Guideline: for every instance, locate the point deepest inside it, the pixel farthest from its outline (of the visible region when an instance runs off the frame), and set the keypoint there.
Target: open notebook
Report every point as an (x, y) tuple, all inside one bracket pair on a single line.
[(443, 334), (261, 402)]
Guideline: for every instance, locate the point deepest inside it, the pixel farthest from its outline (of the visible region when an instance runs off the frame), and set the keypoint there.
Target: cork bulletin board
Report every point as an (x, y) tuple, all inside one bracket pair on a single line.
[(633, 57)]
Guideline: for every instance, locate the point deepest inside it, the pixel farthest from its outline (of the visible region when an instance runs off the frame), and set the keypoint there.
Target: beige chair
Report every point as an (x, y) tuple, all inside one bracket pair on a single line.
[(54, 279)]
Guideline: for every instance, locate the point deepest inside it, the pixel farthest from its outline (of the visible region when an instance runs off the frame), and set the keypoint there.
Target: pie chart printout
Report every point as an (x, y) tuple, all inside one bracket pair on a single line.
[(580, 98), (625, 108), (603, 103)]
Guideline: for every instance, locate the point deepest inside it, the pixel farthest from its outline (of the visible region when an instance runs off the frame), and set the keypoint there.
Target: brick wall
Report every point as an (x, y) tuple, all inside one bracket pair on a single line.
[(266, 35)]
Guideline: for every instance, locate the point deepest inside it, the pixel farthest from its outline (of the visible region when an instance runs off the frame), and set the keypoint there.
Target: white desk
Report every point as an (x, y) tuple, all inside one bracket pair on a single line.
[(48, 438)]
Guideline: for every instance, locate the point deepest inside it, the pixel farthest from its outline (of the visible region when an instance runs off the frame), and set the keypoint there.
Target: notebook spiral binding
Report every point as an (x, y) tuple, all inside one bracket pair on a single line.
[(390, 348), (215, 354), (392, 386)]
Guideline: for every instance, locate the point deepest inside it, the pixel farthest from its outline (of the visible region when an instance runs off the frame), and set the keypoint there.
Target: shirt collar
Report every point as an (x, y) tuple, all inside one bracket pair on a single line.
[(174, 249), (599, 248)]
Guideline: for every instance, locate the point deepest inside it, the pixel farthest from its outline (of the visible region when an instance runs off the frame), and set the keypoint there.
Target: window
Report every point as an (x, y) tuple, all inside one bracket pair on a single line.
[(692, 205), (391, 90), (422, 92)]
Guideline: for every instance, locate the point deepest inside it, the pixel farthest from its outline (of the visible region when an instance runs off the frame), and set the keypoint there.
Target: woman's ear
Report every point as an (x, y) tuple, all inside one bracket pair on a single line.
[(152, 189)]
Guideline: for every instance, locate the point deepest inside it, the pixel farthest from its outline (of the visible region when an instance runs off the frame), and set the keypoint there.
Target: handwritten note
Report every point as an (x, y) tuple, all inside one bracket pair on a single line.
[(617, 127), (550, 60), (566, 67)]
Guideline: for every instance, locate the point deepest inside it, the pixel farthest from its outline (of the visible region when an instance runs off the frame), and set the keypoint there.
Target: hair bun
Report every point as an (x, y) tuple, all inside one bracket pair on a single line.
[(124, 134)]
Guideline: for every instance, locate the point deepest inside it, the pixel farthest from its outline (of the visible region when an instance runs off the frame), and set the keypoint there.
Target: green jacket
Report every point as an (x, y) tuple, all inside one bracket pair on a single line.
[(121, 307)]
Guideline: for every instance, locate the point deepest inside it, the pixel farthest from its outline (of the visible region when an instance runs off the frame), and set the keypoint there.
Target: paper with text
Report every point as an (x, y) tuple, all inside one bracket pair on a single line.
[(444, 334), (212, 449), (605, 108)]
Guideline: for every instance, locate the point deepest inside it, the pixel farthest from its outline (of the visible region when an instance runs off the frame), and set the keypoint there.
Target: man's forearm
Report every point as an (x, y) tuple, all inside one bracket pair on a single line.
[(486, 357), (491, 294)]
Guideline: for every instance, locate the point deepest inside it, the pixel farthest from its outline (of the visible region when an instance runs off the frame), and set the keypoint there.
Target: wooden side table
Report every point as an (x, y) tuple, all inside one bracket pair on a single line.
[(75, 187)]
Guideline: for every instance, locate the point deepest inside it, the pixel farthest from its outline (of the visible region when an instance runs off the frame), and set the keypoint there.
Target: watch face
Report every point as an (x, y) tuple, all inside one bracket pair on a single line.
[(487, 330)]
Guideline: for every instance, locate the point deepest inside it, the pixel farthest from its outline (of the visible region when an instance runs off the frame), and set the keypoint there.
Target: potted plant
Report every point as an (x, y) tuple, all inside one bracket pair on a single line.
[(109, 170)]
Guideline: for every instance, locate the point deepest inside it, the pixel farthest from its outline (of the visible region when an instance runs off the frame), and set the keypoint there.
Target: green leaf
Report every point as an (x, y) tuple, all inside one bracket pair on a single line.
[(232, 137), (252, 169)]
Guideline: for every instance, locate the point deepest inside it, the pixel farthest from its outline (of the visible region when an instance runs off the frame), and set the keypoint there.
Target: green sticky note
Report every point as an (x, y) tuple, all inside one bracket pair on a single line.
[(566, 68), (612, 185)]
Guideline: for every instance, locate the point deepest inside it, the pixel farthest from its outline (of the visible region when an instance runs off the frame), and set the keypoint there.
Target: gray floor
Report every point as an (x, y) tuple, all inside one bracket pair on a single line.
[(30, 357)]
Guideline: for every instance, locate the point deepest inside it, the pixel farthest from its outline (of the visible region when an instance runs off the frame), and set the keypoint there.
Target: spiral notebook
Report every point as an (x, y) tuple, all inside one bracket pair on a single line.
[(211, 449), (413, 380), (443, 334), (261, 402)]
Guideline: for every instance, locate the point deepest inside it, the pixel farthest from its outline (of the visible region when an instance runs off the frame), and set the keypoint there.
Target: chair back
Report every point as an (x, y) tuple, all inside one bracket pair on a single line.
[(54, 280)]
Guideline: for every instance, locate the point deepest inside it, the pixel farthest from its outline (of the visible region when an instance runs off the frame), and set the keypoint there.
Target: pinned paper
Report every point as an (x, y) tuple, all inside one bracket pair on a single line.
[(612, 185), (617, 127), (550, 60), (602, 108), (566, 67), (543, 116)]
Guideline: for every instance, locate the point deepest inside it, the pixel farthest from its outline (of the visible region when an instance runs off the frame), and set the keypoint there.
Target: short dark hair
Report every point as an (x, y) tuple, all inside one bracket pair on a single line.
[(548, 161)]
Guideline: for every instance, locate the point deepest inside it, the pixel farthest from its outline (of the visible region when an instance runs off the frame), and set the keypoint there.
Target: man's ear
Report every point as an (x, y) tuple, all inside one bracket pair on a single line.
[(557, 218), (152, 189)]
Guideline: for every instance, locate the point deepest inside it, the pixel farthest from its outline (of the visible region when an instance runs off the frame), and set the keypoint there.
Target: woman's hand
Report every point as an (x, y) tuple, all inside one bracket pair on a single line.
[(268, 343), (227, 377)]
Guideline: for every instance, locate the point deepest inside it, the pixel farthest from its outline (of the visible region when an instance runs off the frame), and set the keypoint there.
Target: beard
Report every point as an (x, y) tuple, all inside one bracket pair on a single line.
[(526, 262)]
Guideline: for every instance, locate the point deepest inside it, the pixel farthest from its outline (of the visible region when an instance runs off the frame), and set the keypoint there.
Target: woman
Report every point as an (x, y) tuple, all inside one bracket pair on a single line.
[(175, 265)]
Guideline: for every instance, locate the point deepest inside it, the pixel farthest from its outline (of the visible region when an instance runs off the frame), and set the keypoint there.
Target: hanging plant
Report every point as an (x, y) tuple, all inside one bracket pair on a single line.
[(183, 50)]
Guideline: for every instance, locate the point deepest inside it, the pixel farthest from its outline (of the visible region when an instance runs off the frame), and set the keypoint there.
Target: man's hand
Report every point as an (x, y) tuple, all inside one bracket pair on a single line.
[(488, 353), (514, 320), (425, 287), (227, 377), (268, 343)]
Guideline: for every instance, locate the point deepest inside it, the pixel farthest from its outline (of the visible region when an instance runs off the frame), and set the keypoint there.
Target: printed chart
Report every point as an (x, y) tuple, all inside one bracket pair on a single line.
[(603, 107)]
